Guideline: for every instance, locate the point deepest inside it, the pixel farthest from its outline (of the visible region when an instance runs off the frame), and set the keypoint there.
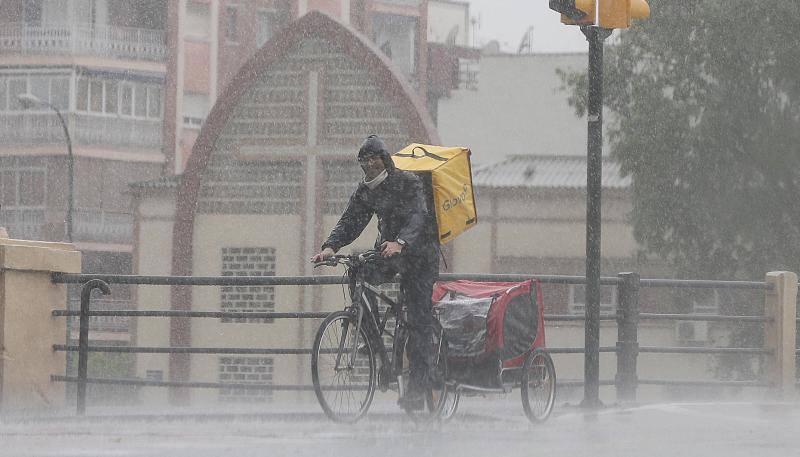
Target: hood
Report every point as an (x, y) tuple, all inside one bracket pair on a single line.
[(374, 145)]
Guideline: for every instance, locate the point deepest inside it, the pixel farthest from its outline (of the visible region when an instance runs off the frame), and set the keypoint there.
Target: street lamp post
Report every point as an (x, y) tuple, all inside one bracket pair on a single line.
[(29, 101)]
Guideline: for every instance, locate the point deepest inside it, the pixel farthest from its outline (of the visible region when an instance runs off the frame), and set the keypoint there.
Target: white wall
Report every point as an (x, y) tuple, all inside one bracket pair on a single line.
[(443, 16), (518, 108)]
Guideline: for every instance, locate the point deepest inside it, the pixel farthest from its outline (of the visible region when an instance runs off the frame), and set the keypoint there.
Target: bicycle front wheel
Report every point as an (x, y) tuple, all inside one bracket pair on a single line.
[(343, 368)]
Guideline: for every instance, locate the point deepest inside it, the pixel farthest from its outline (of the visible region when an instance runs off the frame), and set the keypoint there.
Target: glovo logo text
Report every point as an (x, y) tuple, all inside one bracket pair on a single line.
[(450, 203)]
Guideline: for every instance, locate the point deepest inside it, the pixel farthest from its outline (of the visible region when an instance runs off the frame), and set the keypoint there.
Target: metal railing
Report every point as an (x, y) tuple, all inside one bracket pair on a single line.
[(85, 129), (83, 40), (627, 318), (110, 322), (103, 226), (23, 222)]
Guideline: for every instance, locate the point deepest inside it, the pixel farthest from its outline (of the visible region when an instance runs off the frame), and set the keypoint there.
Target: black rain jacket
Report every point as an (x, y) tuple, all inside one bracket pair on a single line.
[(399, 203)]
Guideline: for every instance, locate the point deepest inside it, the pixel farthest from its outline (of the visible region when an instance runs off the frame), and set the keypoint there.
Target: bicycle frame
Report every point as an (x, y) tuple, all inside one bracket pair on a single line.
[(368, 313), (363, 307)]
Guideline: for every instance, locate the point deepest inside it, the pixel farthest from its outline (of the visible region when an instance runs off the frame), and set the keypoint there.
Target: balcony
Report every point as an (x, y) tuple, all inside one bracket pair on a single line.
[(83, 40), (85, 129), (102, 226), (23, 223), (89, 225)]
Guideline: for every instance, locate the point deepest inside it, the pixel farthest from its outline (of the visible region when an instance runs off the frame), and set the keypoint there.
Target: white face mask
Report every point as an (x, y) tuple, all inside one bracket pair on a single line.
[(375, 182)]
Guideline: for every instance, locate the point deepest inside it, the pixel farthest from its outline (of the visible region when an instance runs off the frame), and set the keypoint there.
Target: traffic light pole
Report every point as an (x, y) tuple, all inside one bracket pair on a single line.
[(594, 172)]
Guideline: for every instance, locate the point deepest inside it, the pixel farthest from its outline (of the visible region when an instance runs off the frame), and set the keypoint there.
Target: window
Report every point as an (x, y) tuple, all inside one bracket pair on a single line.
[(245, 370), (59, 92), (23, 190), (266, 26), (577, 299), (16, 86), (126, 100), (705, 301), (31, 188), (96, 96), (195, 109), (154, 375), (32, 12), (231, 24), (115, 97), (23, 186), (197, 20), (8, 184), (153, 102), (46, 87), (248, 261), (82, 97), (112, 97), (140, 101), (3, 94), (396, 36), (40, 87)]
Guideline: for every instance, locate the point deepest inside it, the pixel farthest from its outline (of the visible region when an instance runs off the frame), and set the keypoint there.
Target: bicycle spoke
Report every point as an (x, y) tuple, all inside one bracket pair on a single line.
[(339, 381)]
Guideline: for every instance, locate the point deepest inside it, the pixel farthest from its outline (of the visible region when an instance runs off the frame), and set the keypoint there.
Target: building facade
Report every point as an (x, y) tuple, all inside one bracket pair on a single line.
[(134, 81), (101, 65)]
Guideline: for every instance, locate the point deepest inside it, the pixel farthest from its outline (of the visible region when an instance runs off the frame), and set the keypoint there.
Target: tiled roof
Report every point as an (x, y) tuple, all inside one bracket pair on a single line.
[(545, 171)]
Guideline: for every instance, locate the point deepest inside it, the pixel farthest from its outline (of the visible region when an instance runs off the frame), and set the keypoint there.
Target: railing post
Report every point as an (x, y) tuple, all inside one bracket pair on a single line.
[(83, 339), (780, 305), (627, 380)]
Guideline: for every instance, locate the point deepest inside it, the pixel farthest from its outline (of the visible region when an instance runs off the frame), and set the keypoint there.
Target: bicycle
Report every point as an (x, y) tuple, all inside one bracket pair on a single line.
[(349, 343)]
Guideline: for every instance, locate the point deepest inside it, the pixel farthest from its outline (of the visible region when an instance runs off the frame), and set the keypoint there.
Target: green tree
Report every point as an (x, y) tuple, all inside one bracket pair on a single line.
[(705, 102)]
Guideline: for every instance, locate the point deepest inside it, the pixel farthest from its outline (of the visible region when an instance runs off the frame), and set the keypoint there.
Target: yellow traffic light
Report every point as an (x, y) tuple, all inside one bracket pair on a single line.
[(575, 12), (586, 6), (639, 9), (617, 14)]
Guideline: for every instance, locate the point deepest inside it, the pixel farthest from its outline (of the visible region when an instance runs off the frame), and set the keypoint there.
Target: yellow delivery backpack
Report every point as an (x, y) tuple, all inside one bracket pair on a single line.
[(447, 178)]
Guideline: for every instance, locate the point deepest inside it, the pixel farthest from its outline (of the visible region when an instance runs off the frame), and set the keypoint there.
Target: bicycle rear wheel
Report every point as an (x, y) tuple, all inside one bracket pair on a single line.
[(538, 385), (451, 400), (343, 368)]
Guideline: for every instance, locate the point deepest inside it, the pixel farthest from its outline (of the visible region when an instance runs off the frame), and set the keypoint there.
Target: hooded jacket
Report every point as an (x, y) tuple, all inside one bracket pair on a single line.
[(398, 202)]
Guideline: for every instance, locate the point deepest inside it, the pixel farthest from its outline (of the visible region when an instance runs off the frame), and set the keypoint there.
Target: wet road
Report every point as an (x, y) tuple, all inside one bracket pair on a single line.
[(481, 429)]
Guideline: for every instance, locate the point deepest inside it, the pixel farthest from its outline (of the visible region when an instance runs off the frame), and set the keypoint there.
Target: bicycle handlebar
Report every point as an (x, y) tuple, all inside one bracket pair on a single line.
[(353, 259)]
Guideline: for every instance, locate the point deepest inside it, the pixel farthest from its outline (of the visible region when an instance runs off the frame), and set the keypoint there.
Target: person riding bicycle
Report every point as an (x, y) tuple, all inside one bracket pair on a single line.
[(408, 244)]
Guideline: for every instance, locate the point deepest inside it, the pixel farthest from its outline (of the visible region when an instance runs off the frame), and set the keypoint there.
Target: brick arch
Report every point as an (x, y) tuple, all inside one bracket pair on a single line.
[(314, 24), (387, 77)]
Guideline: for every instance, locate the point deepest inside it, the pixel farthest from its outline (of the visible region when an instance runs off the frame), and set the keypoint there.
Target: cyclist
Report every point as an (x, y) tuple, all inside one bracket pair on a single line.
[(407, 242)]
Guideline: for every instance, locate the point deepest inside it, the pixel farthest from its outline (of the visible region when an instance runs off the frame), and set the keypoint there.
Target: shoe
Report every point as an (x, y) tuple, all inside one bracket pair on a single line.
[(412, 401)]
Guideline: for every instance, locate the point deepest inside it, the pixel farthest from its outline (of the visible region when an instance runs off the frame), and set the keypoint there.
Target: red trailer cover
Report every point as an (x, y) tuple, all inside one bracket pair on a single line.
[(482, 319)]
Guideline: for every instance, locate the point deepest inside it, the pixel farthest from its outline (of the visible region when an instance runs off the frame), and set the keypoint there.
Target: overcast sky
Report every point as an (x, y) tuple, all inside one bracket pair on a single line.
[(507, 20)]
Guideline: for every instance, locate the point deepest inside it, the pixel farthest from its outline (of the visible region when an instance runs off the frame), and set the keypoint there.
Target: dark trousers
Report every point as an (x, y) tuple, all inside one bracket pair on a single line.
[(418, 273)]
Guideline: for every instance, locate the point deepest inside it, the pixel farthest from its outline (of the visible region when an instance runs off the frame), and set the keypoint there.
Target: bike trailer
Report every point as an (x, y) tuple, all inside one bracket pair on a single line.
[(446, 174), (490, 320)]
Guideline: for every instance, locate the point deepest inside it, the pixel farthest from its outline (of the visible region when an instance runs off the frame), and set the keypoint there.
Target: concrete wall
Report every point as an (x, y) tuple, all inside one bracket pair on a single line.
[(27, 328), (155, 217)]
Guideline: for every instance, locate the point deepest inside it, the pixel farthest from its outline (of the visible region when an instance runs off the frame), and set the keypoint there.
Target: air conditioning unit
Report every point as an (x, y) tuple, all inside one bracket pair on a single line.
[(691, 331)]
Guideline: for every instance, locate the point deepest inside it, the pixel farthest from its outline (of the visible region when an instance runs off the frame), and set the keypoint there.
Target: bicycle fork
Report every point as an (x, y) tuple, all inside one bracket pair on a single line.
[(354, 349)]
